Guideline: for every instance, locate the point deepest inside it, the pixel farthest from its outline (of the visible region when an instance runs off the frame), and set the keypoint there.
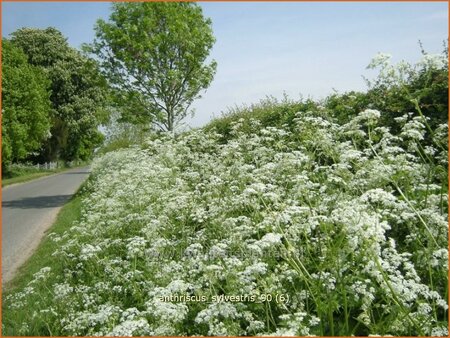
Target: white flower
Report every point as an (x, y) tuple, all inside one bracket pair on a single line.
[(304, 207), (381, 59), (269, 240), (88, 251), (436, 61), (370, 115), (131, 328), (136, 246), (62, 290)]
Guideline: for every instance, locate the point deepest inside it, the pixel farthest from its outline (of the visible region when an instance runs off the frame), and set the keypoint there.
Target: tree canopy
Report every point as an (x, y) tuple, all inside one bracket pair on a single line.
[(78, 93), (26, 104), (155, 56)]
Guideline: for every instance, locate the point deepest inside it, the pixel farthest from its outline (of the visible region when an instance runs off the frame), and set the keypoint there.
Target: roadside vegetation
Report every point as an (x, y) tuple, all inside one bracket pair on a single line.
[(24, 174), (321, 218), (55, 97), (43, 256)]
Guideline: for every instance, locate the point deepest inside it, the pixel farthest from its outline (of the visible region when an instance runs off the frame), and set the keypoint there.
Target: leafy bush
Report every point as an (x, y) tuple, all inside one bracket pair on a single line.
[(421, 88), (269, 112)]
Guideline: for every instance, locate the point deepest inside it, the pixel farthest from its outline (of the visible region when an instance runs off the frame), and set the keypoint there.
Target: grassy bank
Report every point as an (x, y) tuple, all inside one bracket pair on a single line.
[(29, 176), (23, 173), (41, 258), (328, 229), (283, 218)]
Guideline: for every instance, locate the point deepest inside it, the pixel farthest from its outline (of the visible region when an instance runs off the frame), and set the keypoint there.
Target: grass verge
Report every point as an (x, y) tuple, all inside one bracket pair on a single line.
[(29, 176), (41, 258)]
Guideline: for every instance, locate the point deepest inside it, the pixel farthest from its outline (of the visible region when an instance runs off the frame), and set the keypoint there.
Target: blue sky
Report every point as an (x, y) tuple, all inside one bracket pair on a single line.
[(300, 48)]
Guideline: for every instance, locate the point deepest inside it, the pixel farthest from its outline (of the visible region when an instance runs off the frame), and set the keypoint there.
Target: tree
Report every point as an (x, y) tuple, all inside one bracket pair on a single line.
[(154, 54), (78, 93), (26, 105)]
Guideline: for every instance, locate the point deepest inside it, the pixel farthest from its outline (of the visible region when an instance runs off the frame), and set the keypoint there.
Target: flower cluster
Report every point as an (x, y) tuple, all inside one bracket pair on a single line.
[(348, 222)]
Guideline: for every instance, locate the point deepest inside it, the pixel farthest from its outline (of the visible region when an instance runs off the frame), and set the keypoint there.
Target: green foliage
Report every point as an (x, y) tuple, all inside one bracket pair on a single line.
[(42, 257), (347, 105), (78, 93), (154, 53), (420, 88), (26, 105), (23, 172), (269, 112), (120, 134), (353, 233), (347, 219)]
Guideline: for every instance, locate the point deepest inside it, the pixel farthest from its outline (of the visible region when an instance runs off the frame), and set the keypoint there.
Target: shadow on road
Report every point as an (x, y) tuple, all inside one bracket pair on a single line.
[(40, 202)]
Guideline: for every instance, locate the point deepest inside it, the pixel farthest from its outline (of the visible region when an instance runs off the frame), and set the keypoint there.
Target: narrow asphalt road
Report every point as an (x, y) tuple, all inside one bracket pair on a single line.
[(28, 210)]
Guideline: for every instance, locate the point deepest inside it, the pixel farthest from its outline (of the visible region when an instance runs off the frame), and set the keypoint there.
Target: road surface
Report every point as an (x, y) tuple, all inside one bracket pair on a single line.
[(28, 210)]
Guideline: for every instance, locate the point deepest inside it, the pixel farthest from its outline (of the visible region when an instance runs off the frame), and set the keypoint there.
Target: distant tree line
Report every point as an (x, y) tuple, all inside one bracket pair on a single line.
[(53, 99)]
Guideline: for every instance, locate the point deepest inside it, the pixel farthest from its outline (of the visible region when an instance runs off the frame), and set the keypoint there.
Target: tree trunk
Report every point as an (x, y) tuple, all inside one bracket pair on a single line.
[(169, 120)]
